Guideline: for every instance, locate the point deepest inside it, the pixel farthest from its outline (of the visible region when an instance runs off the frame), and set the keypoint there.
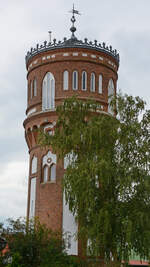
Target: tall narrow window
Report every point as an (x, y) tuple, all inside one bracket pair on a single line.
[(48, 92), (53, 172), (75, 80), (100, 85), (31, 90), (32, 198), (84, 81), (92, 85), (52, 96), (34, 87), (110, 96), (45, 174), (65, 80), (34, 165)]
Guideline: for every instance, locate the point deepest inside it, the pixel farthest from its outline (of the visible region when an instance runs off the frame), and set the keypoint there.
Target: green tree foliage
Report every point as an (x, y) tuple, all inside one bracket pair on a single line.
[(34, 245), (107, 183)]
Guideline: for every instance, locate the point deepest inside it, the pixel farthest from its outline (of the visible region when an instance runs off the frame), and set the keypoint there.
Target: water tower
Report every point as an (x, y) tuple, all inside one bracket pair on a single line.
[(57, 70)]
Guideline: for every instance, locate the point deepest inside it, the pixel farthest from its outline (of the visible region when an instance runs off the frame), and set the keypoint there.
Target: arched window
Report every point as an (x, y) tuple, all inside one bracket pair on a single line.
[(53, 172), (49, 167), (48, 92), (65, 80), (75, 80), (84, 81), (100, 85), (110, 96), (92, 84), (31, 90), (34, 87), (45, 174)]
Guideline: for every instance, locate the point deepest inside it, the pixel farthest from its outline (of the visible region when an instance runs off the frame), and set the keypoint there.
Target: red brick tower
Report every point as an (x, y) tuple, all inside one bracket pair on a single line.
[(55, 71)]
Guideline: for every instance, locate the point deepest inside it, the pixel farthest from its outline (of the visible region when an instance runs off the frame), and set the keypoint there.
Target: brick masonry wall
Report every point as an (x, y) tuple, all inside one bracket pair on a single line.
[(80, 63)]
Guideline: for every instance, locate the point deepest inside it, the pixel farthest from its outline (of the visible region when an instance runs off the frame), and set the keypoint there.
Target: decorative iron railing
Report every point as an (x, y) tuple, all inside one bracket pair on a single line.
[(72, 43)]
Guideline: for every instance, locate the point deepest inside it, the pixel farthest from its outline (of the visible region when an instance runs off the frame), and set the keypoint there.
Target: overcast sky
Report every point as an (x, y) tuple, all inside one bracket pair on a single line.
[(123, 24)]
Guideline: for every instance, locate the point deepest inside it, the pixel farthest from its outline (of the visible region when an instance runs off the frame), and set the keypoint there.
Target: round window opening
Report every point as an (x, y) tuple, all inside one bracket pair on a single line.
[(49, 160)]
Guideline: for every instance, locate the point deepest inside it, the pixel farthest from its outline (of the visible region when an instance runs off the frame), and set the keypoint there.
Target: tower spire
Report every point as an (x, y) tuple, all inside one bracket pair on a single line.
[(73, 20)]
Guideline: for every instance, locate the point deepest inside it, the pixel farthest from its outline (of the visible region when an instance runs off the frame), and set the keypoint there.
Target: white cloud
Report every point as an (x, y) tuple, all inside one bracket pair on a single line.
[(13, 189)]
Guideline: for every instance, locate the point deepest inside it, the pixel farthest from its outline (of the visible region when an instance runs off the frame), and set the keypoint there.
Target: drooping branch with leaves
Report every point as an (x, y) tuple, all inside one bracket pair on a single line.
[(107, 181)]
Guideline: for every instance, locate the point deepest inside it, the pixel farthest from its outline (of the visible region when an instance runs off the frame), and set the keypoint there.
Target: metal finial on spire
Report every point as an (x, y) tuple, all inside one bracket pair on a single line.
[(73, 20), (50, 36)]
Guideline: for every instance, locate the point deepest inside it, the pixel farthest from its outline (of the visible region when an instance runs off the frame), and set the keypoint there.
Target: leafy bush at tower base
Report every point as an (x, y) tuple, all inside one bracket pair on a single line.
[(33, 244)]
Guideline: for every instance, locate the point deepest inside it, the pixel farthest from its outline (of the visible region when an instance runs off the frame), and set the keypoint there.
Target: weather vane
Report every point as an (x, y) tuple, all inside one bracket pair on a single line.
[(73, 28), (74, 11)]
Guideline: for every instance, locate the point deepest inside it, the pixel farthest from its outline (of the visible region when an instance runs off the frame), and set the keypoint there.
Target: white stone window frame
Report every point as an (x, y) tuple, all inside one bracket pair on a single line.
[(75, 54), (53, 172), (48, 92), (69, 229), (31, 93), (111, 93), (84, 54), (35, 87), (45, 173), (34, 162), (65, 80), (65, 54), (49, 162), (92, 82), (32, 198), (75, 80), (84, 76), (69, 225), (49, 173), (69, 159), (100, 84)]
